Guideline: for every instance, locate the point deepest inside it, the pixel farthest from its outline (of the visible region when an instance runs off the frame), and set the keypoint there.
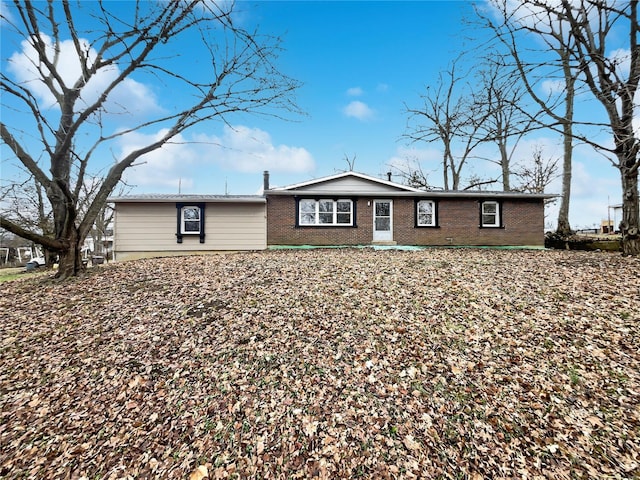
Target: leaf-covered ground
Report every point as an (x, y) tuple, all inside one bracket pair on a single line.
[(338, 363)]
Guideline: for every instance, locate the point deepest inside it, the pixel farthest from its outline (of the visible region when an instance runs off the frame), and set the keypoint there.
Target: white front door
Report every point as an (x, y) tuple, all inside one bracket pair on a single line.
[(382, 221)]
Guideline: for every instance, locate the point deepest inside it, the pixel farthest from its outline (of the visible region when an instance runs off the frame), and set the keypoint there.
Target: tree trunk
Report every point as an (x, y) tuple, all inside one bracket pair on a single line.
[(504, 164), (564, 227), (70, 262), (629, 226)]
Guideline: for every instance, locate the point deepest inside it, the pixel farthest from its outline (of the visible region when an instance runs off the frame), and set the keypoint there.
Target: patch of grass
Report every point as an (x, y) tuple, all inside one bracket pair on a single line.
[(5, 277), (574, 377), (9, 274)]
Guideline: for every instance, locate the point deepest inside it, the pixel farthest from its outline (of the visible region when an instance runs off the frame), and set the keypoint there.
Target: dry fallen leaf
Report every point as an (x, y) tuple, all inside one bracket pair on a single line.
[(337, 363), (199, 473), (410, 443)]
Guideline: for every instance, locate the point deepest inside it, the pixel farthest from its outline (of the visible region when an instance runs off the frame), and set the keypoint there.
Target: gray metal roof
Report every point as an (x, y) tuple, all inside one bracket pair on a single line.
[(170, 198)]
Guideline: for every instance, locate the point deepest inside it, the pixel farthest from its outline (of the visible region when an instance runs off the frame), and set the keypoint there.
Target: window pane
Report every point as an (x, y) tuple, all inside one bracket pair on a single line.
[(425, 207), (489, 220), (191, 213), (383, 224), (326, 218), (307, 218), (307, 206), (489, 207), (425, 219), (344, 218), (192, 226), (326, 205), (344, 206), (383, 209)]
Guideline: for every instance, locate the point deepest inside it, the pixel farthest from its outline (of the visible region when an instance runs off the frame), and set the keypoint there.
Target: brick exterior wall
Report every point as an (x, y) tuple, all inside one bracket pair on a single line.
[(458, 224)]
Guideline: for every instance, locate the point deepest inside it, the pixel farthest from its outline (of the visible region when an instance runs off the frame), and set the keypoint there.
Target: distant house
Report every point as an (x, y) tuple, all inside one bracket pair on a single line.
[(345, 209), (355, 209), (165, 225)]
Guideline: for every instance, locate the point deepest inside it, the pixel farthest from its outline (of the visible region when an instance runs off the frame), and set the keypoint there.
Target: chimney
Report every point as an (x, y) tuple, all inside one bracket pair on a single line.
[(389, 176), (265, 182)]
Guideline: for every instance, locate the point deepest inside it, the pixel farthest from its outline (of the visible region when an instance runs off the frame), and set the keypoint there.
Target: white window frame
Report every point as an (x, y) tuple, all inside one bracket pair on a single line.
[(433, 213), (184, 220), (496, 214), (321, 215)]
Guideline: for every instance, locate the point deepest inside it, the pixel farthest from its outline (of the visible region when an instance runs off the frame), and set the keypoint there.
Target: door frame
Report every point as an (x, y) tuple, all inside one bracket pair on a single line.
[(383, 235)]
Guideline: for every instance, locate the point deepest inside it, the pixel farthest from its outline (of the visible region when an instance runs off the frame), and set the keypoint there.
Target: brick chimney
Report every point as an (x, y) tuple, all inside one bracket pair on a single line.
[(265, 180)]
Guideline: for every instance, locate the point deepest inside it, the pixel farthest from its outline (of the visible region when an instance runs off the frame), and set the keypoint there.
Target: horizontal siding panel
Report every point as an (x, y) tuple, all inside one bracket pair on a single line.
[(142, 227), (351, 184), (222, 243)]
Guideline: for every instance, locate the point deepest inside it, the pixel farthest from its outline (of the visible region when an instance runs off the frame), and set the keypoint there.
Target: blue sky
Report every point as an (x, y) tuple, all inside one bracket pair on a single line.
[(359, 64)]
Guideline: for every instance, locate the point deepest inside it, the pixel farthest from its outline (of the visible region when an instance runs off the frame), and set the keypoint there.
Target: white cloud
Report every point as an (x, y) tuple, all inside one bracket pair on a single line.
[(166, 167), (432, 156), (246, 149), (382, 87), (355, 92), (183, 161), (129, 97), (359, 110), (622, 59), (591, 195), (552, 87)]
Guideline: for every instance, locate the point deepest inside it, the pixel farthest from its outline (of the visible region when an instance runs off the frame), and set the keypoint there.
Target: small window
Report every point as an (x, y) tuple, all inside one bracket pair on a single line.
[(190, 221), (490, 214), (325, 212), (426, 213)]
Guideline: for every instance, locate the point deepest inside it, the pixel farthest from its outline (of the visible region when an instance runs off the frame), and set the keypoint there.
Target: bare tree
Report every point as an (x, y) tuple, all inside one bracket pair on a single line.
[(237, 74), (103, 223), (412, 174), (585, 30), (538, 70), (477, 182), (613, 81), (535, 177), (351, 162), (582, 34), (450, 117), (504, 122), (26, 204), (490, 113)]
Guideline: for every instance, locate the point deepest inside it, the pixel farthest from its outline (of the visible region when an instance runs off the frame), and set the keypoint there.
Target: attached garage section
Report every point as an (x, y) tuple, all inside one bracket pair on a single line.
[(157, 226)]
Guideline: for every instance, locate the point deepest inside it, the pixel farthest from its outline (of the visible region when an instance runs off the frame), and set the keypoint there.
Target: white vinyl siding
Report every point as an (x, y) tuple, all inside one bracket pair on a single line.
[(353, 185)]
